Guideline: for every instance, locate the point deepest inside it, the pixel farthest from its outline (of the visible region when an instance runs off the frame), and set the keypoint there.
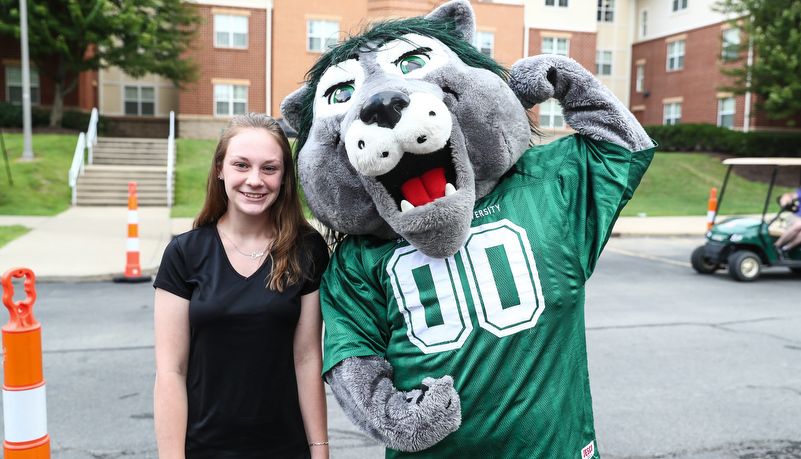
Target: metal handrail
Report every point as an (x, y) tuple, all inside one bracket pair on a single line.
[(77, 166), (91, 133), (170, 159)]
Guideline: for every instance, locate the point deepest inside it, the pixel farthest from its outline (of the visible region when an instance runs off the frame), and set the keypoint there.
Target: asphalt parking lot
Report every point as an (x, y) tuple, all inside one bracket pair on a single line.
[(682, 365)]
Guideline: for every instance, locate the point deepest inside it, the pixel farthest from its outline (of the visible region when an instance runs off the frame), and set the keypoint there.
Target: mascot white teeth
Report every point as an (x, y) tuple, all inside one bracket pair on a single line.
[(454, 305)]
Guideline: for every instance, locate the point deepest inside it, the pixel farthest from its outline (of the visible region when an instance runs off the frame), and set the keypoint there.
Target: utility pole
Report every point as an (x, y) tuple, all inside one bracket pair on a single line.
[(27, 152)]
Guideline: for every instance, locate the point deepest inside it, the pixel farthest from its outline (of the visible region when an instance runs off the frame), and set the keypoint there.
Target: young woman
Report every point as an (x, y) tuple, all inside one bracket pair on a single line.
[(237, 312)]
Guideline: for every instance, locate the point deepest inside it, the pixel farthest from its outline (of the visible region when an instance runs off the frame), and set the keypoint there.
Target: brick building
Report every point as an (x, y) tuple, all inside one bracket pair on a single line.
[(677, 55), (660, 57)]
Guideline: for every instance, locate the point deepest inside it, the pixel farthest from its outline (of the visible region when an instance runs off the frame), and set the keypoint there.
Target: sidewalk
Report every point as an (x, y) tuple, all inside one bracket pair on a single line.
[(89, 243)]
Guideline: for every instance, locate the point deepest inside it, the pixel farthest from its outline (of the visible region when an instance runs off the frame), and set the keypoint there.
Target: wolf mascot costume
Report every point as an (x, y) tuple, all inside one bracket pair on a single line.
[(454, 307)]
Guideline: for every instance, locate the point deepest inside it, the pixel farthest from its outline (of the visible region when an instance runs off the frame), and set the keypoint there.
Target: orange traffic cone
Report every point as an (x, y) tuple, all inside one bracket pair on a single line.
[(24, 401), (712, 208), (133, 270)]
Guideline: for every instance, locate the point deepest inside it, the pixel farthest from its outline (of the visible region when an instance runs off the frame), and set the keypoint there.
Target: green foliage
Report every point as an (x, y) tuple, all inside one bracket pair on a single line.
[(11, 117), (193, 160), (9, 233), (67, 37), (774, 28), (678, 184), (41, 186), (711, 138)]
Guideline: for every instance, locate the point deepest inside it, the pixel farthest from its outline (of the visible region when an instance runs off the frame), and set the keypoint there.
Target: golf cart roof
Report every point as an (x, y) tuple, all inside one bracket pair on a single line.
[(762, 161)]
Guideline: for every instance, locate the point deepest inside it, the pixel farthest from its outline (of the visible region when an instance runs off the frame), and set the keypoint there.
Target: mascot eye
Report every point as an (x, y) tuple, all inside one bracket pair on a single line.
[(411, 63), (339, 94)]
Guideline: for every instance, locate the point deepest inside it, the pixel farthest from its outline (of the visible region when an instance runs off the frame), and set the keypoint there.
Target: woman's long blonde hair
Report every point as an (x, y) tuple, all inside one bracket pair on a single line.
[(286, 213)]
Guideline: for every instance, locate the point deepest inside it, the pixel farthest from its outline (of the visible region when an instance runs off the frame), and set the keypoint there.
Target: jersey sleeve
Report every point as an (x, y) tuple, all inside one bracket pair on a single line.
[(353, 306), (172, 275), (608, 178)]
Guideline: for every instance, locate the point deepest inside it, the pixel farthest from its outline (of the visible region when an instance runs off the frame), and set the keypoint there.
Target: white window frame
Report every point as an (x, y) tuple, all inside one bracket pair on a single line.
[(484, 41), (731, 42), (35, 93), (603, 62), (550, 110), (726, 111), (678, 5), (554, 49), (326, 36), (232, 26), (557, 3), (138, 100), (639, 79), (671, 114), (643, 23), (606, 10), (675, 55), (230, 99)]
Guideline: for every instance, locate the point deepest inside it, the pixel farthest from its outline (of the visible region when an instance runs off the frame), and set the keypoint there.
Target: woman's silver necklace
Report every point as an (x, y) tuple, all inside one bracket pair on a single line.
[(253, 255)]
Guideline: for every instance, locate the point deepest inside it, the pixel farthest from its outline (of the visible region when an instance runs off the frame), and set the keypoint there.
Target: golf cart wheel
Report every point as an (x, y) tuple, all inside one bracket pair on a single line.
[(702, 264), (744, 266)]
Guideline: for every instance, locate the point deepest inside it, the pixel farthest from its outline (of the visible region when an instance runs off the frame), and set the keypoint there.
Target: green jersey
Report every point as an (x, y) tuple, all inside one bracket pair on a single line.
[(505, 315)]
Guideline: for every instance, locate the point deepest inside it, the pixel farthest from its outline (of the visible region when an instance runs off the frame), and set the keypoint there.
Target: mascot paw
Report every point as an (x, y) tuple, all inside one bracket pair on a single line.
[(426, 415), (403, 420), (538, 78)]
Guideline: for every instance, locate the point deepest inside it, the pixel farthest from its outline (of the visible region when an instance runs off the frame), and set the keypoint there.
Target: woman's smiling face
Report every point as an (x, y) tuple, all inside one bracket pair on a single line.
[(252, 170)]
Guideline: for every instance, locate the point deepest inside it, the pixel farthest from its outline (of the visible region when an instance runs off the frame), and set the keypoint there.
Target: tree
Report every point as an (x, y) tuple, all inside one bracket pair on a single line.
[(773, 28), (68, 37)]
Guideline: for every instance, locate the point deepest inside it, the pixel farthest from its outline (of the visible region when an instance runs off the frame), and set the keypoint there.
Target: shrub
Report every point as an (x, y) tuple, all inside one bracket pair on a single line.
[(11, 116), (711, 138)]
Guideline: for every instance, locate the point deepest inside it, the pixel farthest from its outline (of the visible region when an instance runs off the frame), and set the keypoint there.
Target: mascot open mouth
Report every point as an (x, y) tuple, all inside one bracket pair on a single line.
[(420, 179)]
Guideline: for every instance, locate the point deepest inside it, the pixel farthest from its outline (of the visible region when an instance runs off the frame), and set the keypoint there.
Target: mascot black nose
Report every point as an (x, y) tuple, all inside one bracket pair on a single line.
[(384, 108)]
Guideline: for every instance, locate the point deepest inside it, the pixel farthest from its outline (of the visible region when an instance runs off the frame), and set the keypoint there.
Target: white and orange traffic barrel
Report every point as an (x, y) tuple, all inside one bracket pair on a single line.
[(24, 401), (712, 208), (133, 269)]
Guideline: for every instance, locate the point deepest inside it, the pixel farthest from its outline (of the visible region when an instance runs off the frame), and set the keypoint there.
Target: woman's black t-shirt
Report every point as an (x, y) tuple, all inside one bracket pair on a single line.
[(242, 392)]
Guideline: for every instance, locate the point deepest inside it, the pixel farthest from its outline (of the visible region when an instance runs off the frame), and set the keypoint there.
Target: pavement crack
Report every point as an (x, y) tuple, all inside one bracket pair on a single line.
[(98, 349), (723, 326)]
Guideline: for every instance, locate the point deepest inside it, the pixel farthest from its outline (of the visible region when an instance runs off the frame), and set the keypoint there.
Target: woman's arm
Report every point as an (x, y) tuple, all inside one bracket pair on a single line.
[(308, 369), (172, 357)]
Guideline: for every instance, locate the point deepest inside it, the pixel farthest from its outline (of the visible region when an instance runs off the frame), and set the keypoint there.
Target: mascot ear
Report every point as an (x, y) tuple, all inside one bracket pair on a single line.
[(461, 12), (292, 105)]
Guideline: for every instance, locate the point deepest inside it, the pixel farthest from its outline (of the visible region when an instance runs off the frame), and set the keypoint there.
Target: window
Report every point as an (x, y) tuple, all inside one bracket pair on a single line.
[(322, 35), (560, 3), (731, 43), (679, 5), (726, 112), (484, 41), (551, 114), (672, 114), (554, 46), (606, 10), (675, 55), (230, 100), (140, 101), (644, 24), (230, 31), (640, 78), (14, 85), (603, 62)]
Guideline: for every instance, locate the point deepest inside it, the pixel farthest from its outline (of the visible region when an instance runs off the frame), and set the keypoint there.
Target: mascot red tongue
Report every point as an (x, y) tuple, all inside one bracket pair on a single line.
[(426, 188), (454, 302)]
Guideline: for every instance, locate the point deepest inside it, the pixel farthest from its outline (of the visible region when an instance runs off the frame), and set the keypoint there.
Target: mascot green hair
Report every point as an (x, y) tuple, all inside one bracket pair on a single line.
[(454, 305)]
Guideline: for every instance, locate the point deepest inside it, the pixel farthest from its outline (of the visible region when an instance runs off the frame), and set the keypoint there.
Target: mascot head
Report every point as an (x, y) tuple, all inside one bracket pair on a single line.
[(402, 128)]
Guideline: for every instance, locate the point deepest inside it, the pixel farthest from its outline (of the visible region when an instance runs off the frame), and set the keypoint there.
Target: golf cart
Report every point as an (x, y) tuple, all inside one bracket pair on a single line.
[(744, 245)]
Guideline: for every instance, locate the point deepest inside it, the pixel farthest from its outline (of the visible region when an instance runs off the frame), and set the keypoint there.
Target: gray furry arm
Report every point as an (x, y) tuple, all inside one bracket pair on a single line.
[(404, 421), (588, 106)]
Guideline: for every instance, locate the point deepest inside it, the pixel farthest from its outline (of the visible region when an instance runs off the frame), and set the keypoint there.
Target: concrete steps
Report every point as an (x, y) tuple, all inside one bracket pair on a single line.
[(118, 161)]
